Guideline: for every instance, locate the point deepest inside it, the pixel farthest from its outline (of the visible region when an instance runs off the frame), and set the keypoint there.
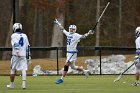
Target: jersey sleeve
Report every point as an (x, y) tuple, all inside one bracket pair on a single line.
[(15, 43), (78, 36), (65, 32), (12, 40), (138, 43), (27, 42)]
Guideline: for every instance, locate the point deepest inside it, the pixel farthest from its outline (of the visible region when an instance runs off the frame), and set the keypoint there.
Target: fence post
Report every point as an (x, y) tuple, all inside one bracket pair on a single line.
[(100, 51), (57, 61)]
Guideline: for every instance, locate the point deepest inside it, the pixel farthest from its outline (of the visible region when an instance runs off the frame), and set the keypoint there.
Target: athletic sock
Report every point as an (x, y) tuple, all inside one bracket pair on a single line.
[(137, 81), (11, 83), (23, 82), (62, 77)]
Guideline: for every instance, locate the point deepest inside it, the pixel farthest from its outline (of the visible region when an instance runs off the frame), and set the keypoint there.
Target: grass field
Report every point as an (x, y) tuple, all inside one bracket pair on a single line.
[(72, 84)]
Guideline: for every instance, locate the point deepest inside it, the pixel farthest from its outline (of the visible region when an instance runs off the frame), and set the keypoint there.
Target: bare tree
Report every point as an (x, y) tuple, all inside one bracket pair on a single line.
[(7, 43), (120, 18), (57, 38), (98, 26), (34, 27), (6, 54)]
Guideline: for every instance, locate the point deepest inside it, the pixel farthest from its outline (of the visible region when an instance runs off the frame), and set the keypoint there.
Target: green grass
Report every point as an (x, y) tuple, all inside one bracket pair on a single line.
[(72, 84)]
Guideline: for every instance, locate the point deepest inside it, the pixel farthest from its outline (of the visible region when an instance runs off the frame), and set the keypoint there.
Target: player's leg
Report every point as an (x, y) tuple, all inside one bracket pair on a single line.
[(66, 67), (64, 73), (12, 77), (79, 68), (136, 83), (23, 79), (137, 72), (12, 71), (23, 67)]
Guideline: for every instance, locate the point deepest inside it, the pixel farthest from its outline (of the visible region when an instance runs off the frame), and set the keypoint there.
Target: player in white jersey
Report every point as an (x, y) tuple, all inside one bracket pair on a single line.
[(72, 40), (20, 49), (137, 57)]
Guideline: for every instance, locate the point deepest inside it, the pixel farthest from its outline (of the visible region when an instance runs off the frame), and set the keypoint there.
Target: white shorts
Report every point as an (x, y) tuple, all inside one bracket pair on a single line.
[(137, 67), (18, 64), (71, 57)]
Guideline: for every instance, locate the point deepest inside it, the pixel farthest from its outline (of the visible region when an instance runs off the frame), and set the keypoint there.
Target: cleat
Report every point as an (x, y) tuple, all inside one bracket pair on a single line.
[(23, 88), (86, 72), (59, 81), (11, 86), (135, 84), (23, 85)]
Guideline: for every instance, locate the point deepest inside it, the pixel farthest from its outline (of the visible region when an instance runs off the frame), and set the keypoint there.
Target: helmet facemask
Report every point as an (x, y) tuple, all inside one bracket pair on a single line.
[(72, 28)]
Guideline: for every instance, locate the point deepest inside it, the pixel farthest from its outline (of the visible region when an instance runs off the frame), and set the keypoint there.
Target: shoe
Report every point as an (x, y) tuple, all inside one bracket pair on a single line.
[(24, 85), (11, 86), (59, 81), (135, 84), (86, 72)]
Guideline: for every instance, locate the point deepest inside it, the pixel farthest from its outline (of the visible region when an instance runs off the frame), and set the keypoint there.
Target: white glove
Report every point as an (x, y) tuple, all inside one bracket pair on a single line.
[(58, 24), (85, 35), (136, 59), (138, 51), (91, 32)]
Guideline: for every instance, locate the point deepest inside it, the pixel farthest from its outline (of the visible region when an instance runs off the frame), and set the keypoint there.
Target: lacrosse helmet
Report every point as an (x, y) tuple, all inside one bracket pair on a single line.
[(72, 28), (17, 27), (137, 31)]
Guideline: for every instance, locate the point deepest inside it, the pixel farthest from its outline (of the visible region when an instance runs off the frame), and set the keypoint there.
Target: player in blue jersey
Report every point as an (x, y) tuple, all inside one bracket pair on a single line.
[(20, 49), (72, 40)]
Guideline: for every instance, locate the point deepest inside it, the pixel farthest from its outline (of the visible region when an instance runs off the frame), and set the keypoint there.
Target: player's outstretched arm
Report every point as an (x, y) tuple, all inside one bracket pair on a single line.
[(90, 32)]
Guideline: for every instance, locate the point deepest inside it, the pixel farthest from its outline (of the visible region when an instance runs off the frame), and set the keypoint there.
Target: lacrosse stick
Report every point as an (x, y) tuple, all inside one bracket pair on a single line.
[(102, 14), (120, 76), (28, 55)]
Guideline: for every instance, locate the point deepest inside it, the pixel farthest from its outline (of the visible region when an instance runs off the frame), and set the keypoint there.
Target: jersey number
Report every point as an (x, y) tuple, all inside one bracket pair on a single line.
[(68, 41), (21, 43)]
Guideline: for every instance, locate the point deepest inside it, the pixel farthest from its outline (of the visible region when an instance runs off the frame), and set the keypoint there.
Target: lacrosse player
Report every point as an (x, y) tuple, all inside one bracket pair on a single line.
[(20, 50), (72, 40), (137, 57)]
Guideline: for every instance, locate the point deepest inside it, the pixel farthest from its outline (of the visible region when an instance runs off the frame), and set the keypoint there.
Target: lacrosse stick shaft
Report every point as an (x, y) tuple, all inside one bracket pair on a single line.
[(128, 68), (102, 14), (120, 76), (28, 53)]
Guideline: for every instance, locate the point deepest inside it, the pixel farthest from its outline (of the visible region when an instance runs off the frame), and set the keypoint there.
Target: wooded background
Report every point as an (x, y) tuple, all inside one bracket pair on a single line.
[(116, 27)]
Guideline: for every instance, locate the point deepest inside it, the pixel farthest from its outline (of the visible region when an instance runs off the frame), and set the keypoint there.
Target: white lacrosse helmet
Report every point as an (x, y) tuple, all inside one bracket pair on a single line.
[(17, 27), (72, 28), (137, 31)]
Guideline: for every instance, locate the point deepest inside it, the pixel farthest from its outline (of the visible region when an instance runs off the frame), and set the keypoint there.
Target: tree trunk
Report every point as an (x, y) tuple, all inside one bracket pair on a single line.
[(6, 55), (40, 31), (97, 43), (34, 27), (120, 18), (98, 26), (57, 38)]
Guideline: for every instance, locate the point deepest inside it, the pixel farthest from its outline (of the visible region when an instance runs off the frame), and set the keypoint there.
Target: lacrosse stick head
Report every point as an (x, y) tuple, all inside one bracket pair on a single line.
[(91, 32), (118, 78), (72, 28)]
